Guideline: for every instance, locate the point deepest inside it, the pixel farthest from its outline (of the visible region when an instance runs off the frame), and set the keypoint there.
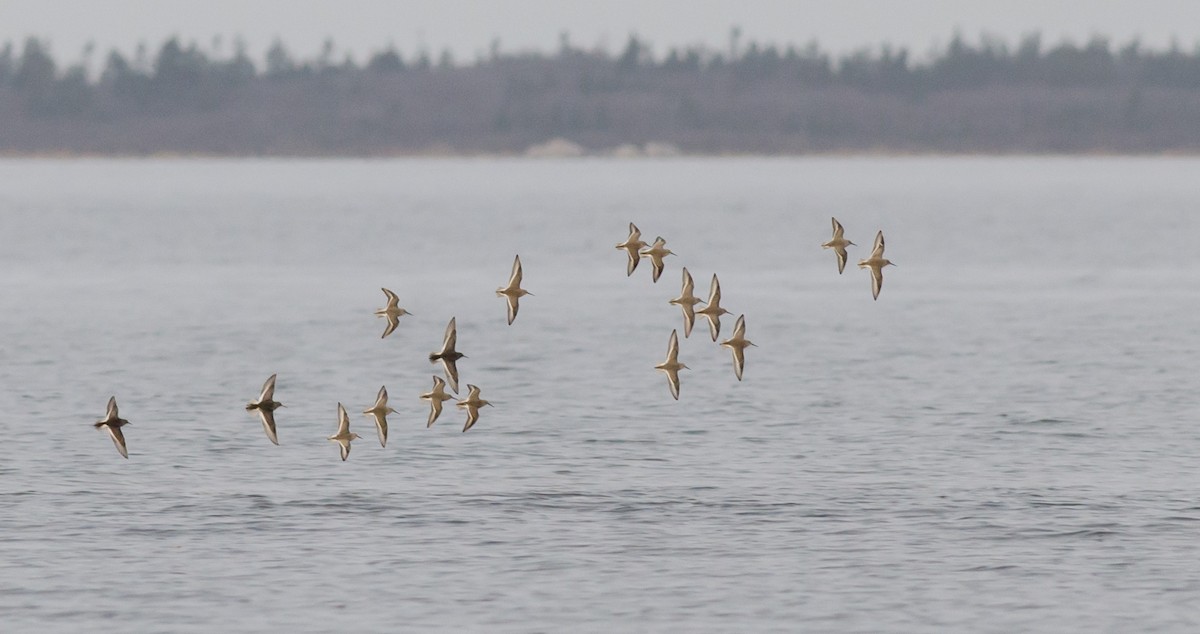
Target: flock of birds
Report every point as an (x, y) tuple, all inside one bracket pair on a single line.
[(448, 355)]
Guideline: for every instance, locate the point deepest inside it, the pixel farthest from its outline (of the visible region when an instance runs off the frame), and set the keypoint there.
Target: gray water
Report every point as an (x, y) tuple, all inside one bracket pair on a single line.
[(1006, 441)]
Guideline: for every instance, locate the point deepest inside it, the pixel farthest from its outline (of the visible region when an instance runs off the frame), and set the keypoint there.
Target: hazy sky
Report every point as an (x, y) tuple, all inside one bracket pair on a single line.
[(467, 26)]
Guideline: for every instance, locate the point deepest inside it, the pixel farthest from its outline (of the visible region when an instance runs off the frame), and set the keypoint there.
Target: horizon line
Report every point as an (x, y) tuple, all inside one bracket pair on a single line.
[(221, 49)]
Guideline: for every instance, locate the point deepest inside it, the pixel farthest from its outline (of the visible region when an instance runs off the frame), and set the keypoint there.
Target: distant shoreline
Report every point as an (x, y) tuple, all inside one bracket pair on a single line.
[(753, 100), (516, 156)]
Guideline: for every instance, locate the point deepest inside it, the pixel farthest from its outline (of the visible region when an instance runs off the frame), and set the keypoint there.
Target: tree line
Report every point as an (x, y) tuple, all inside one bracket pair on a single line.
[(750, 97)]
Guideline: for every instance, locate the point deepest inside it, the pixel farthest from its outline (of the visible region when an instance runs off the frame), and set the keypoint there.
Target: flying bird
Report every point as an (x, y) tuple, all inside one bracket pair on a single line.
[(380, 411), (472, 404), (656, 253), (687, 301), (393, 312), (712, 309), (435, 398), (838, 244), (266, 406), (633, 246), (672, 366), (513, 291), (343, 435), (448, 355), (876, 263), (113, 424), (738, 343)]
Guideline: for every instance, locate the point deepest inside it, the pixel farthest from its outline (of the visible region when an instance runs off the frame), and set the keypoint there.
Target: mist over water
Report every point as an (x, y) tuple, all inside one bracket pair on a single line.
[(1005, 441)]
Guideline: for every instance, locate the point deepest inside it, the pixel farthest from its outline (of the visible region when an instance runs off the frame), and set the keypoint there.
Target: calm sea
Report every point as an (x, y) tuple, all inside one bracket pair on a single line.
[(1008, 440)]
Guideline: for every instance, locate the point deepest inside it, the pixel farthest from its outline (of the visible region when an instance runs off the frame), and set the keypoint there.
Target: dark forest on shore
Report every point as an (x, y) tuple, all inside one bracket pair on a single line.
[(986, 97)]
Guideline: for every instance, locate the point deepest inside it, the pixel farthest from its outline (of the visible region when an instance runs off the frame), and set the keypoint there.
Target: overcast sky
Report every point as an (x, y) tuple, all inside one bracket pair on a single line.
[(466, 27)]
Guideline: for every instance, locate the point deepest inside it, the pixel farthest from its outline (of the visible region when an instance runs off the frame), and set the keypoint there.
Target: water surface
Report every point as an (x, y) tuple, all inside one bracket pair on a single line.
[(1005, 441)]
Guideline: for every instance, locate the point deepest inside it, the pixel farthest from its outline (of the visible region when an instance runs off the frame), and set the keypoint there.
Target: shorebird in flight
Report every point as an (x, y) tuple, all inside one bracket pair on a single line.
[(380, 411), (266, 406), (876, 263), (435, 398), (448, 355), (712, 309), (737, 343), (472, 404), (113, 423), (838, 244), (672, 366), (633, 246), (393, 312), (343, 435), (656, 253), (687, 301), (513, 291)]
